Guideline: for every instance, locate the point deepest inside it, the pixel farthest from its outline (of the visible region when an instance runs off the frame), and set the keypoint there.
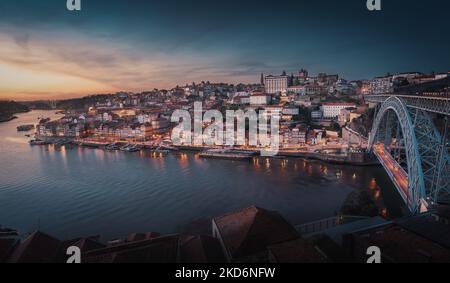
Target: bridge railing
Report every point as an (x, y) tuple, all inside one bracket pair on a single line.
[(328, 223), (435, 104)]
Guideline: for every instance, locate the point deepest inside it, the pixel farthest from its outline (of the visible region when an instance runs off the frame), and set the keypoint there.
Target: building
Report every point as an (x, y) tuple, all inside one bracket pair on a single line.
[(160, 124), (314, 89), (347, 115), (259, 98), (294, 138), (352, 137), (325, 79), (290, 110), (36, 248), (431, 88), (297, 251), (240, 98), (409, 76), (416, 239), (424, 79), (316, 115), (441, 76), (276, 84), (156, 250), (7, 247), (302, 76), (299, 89), (200, 249), (246, 234), (303, 101), (381, 85), (333, 110)]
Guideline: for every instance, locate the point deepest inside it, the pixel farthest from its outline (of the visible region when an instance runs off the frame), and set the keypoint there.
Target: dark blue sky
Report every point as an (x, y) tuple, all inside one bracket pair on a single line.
[(234, 40)]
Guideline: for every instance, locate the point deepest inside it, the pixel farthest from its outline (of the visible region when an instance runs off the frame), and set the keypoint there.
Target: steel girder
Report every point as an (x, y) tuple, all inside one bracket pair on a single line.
[(442, 175), (434, 156), (439, 105), (416, 183)]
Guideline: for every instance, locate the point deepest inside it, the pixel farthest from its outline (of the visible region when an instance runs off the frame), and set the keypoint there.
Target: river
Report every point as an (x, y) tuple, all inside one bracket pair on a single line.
[(83, 192)]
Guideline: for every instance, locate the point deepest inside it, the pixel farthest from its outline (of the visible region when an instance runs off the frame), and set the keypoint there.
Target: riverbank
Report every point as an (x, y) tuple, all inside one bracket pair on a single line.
[(354, 159), (351, 159), (115, 192), (7, 119), (8, 110)]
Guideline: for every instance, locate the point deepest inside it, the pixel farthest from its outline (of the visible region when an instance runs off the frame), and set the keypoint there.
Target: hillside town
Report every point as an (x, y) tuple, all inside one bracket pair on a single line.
[(319, 114)]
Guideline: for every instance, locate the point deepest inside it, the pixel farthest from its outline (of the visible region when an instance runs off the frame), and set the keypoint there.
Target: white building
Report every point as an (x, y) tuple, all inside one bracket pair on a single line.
[(441, 76), (260, 99), (333, 110), (276, 84), (300, 90), (293, 138), (408, 76)]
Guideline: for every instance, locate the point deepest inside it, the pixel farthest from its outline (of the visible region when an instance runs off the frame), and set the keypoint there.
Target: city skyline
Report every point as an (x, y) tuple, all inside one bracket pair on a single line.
[(48, 52)]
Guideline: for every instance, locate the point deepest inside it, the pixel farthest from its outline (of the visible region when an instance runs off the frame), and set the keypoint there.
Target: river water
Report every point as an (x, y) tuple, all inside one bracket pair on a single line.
[(77, 191)]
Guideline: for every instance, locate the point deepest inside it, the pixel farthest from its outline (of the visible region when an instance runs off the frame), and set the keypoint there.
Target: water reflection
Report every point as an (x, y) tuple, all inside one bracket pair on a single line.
[(82, 191)]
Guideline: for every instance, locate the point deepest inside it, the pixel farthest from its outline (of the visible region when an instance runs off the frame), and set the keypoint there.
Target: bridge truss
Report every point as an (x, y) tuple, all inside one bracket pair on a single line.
[(404, 126)]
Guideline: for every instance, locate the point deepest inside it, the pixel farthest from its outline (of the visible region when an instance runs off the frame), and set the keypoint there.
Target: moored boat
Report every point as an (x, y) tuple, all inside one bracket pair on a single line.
[(227, 154), (112, 147), (38, 142), (25, 128)]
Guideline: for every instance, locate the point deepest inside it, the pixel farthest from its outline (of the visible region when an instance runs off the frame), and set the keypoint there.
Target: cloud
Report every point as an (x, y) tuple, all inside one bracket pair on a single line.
[(106, 64)]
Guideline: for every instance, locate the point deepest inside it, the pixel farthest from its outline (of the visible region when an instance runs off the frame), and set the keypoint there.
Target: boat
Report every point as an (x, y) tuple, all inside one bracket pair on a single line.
[(130, 148), (25, 128), (133, 148), (125, 147), (38, 142), (227, 154), (61, 143), (112, 147), (43, 120), (160, 151)]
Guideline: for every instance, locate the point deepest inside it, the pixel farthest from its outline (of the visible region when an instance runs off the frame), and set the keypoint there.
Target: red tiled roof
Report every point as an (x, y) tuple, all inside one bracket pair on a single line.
[(158, 250), (142, 236), (200, 249), (297, 251), (85, 244), (37, 248), (7, 246), (252, 229)]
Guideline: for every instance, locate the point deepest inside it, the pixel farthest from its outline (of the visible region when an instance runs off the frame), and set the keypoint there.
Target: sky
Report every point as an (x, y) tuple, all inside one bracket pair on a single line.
[(48, 52)]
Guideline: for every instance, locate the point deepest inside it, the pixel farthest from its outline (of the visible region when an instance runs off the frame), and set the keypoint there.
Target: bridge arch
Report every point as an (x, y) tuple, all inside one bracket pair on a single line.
[(416, 183)]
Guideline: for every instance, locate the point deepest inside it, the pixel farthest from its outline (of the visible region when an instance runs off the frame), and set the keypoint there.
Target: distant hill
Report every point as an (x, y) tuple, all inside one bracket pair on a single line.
[(9, 108), (81, 103)]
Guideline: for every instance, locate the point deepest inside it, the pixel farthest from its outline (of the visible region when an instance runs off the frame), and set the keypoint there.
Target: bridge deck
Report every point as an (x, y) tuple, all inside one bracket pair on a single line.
[(434, 104), (397, 174)]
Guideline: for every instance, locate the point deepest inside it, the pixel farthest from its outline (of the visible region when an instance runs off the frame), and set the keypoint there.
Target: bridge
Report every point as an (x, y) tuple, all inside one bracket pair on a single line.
[(410, 138)]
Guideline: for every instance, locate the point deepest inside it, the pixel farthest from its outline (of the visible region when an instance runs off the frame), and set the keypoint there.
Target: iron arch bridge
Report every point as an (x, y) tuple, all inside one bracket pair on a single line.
[(410, 139)]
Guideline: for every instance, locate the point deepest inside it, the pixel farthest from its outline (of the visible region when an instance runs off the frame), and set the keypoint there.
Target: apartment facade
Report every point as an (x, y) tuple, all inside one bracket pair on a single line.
[(333, 110), (276, 84)]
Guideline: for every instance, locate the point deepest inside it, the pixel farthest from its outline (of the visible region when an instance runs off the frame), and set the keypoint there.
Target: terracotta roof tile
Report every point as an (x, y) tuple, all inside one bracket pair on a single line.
[(252, 229)]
